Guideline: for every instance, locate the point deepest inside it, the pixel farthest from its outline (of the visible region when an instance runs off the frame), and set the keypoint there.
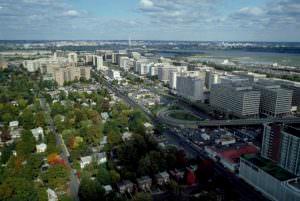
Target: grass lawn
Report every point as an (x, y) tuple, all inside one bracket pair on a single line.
[(184, 116)]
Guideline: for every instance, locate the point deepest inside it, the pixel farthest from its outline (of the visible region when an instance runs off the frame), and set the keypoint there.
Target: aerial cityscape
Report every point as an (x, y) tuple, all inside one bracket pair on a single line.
[(149, 100)]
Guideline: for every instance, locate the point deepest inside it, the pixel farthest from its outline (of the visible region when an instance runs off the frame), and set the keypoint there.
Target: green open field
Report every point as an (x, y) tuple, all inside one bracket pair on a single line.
[(184, 116)]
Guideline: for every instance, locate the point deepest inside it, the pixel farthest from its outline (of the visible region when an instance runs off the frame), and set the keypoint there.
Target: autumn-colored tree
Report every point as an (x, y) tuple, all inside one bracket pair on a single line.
[(54, 159), (190, 177)]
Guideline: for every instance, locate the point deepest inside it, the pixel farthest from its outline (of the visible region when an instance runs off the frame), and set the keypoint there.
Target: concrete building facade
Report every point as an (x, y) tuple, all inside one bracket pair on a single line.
[(189, 87), (281, 144), (241, 100), (273, 181), (274, 101)]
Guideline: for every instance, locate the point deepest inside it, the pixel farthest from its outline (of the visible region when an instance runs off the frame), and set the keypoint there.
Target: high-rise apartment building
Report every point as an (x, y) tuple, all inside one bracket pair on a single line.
[(99, 62), (63, 75), (281, 144), (72, 57)]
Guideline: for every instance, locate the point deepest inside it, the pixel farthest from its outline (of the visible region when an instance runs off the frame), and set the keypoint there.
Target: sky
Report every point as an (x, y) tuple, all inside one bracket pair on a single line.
[(201, 20)]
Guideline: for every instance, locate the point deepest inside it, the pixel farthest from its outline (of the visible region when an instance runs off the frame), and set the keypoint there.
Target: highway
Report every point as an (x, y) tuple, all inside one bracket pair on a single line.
[(164, 116), (74, 181), (245, 191)]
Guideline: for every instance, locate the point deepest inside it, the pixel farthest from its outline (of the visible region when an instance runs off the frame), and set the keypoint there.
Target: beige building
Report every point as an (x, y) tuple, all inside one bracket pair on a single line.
[(62, 75), (3, 65)]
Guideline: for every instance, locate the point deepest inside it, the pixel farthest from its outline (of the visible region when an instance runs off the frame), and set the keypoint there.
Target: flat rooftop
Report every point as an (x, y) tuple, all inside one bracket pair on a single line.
[(295, 183), (269, 167), (293, 130)]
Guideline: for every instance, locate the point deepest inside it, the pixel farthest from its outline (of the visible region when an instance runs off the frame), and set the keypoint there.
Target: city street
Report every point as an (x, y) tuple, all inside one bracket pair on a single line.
[(74, 181)]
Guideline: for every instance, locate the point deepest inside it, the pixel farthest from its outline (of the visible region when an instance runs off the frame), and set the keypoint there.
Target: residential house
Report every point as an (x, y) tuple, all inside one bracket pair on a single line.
[(162, 178), (38, 133), (84, 161), (125, 186), (100, 158), (13, 124), (144, 183), (41, 148)]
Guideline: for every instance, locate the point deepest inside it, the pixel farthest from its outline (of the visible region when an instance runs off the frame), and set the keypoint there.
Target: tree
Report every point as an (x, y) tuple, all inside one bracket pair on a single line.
[(103, 176), (6, 153), (57, 176), (26, 145), (54, 159), (144, 166), (32, 167), (94, 116), (40, 120), (90, 190), (27, 119), (115, 176), (142, 197), (5, 135), (15, 188), (7, 117)]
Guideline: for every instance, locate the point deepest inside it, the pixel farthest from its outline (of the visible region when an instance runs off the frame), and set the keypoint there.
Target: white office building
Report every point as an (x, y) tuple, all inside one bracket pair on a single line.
[(99, 63), (211, 78), (190, 87), (114, 74), (274, 101), (241, 100), (126, 63), (142, 66), (164, 73), (273, 181), (72, 57)]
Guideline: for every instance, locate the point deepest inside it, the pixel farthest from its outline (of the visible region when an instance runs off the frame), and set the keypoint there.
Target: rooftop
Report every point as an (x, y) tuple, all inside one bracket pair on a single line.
[(295, 183), (292, 130), (269, 167)]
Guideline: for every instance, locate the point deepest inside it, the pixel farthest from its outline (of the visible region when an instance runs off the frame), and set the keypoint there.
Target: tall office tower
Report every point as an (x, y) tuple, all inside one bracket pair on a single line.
[(240, 99), (275, 101), (281, 144), (89, 59), (114, 74), (108, 55), (85, 72), (125, 63), (72, 58), (99, 64), (173, 80), (142, 66), (164, 73), (210, 79), (190, 87), (182, 71)]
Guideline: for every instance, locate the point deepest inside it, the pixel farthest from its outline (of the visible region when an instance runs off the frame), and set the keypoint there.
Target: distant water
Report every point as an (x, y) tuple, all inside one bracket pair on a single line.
[(240, 56)]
